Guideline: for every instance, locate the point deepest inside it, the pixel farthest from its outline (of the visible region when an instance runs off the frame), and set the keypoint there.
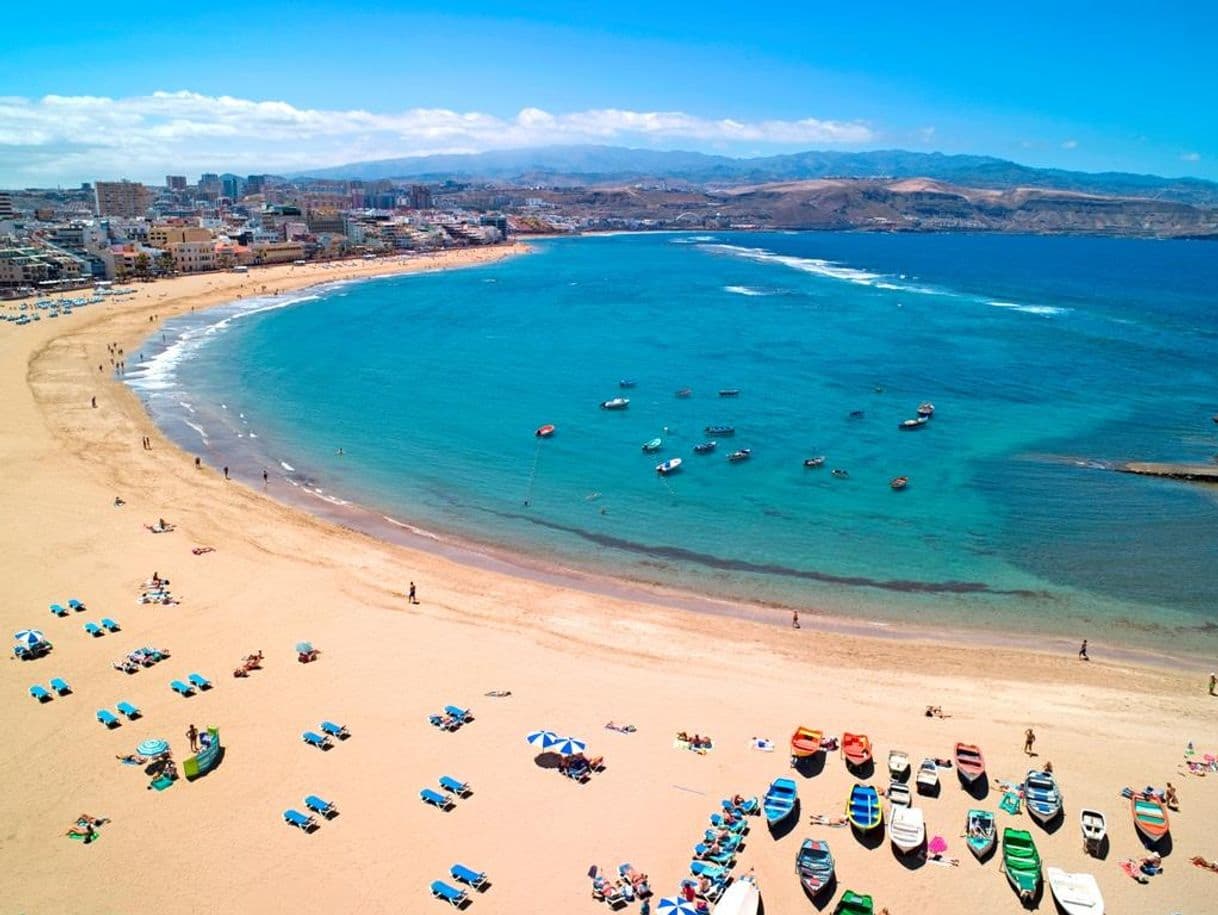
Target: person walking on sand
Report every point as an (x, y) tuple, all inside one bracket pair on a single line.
[(1029, 740), (412, 598), (192, 734), (226, 472), (1213, 684), (95, 403), (794, 619), (1082, 652), (265, 478)]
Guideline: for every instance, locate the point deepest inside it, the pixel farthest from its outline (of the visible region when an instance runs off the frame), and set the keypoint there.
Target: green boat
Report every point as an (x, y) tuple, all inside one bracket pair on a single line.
[(854, 904), (1021, 861)]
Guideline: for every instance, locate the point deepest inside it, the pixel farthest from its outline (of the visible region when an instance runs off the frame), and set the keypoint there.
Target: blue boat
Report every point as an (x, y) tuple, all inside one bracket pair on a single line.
[(779, 801), (863, 809), (720, 430)]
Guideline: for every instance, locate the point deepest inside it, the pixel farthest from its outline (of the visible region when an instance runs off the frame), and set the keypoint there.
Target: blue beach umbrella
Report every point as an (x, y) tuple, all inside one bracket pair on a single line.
[(676, 905), (152, 747), (304, 647), (568, 745), (543, 740), (29, 637)]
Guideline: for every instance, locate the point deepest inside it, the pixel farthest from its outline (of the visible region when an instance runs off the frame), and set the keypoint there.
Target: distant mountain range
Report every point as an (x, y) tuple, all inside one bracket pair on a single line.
[(584, 165)]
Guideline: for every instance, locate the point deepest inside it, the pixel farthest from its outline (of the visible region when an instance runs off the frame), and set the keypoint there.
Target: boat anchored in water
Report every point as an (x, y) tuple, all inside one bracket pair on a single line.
[(899, 483), (685, 392), (545, 431), (729, 392), (926, 408), (818, 461), (627, 383), (615, 403), (669, 466), (653, 446), (841, 474), (705, 447), (742, 454), (720, 430), (907, 425)]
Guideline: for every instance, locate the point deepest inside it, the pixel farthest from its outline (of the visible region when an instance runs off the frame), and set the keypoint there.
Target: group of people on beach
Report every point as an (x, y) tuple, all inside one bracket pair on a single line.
[(695, 741)]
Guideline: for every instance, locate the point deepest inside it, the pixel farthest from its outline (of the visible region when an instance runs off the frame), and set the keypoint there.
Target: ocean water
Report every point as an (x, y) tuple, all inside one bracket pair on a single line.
[(1046, 358)]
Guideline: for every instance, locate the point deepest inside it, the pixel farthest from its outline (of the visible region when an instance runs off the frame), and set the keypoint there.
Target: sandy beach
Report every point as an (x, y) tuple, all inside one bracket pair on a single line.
[(572, 659)]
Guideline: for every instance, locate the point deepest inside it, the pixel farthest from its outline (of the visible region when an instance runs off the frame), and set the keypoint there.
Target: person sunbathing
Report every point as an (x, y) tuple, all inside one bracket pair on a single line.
[(821, 819), (86, 832), (241, 672), (1201, 862), (1170, 798), (132, 759), (683, 737), (737, 801), (1152, 864)]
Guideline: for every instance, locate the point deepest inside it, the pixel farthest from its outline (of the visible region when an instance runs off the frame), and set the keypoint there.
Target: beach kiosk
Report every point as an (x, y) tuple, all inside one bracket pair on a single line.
[(207, 757)]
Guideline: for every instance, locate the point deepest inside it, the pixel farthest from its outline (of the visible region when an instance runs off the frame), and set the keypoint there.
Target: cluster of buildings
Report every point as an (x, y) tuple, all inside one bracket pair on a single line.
[(124, 230)]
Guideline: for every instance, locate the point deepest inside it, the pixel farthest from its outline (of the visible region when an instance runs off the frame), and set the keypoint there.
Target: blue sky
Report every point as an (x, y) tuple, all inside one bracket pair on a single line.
[(90, 91)]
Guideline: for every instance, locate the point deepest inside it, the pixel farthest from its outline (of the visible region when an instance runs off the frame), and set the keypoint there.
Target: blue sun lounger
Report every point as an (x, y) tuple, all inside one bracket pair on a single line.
[(335, 730), (443, 801), (456, 786), (75, 604), (200, 681), (60, 685), (93, 629), (106, 717), (58, 610), (110, 624), (750, 805), (707, 870), (38, 691), (449, 894), (739, 826), (317, 805), (181, 688), (440, 722), (461, 714), (313, 739), (300, 820), (463, 874), (129, 710)]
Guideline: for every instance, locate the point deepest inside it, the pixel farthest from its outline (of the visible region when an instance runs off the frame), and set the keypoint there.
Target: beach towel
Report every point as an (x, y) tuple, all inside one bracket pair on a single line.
[(96, 835), (763, 743), (1010, 803), (160, 783), (1130, 868)]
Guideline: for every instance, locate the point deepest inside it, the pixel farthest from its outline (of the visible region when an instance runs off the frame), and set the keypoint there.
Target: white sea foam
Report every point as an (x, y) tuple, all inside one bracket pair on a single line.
[(1043, 310), (813, 265), (410, 527), (202, 432), (286, 466), (746, 290)]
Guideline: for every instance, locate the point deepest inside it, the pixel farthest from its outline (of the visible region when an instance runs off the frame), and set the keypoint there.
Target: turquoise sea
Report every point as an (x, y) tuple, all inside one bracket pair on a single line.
[(1046, 358)]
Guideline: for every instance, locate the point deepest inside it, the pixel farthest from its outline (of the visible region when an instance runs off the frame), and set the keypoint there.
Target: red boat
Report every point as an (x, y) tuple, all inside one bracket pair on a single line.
[(899, 483), (969, 761), (545, 431), (856, 748)]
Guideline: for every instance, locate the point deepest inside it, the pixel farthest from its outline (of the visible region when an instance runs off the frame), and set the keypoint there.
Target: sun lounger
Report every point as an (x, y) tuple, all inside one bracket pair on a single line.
[(38, 691), (60, 685), (58, 610), (708, 870), (738, 826), (335, 730), (110, 624), (131, 711), (76, 605), (712, 894), (300, 820), (449, 894), (748, 806), (731, 843), (456, 786), (444, 725), (703, 851), (579, 774), (182, 689), (106, 717), (200, 681), (605, 891), (126, 665), (443, 801), (461, 714), (93, 629), (317, 805), (465, 875), (313, 739)]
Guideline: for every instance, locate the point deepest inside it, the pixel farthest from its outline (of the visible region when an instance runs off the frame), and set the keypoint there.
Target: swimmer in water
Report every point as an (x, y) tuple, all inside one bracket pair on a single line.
[(340, 452)]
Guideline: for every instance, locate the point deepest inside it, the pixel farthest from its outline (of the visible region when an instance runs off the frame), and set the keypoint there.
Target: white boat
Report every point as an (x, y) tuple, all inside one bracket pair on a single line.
[(928, 776), (669, 466), (1077, 894), (906, 828), (615, 403), (899, 794), (741, 898), (898, 763), (1094, 827), (653, 446)]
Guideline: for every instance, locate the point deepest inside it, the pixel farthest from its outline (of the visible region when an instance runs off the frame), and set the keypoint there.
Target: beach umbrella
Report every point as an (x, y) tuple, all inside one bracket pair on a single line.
[(542, 739), (304, 647), (154, 746), (568, 745), (676, 905), (937, 846), (29, 636)]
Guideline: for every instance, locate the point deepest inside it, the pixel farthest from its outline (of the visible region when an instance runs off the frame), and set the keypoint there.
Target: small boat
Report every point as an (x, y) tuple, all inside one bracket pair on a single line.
[(907, 828), (969, 762), (743, 897), (899, 483), (705, 447), (685, 392), (805, 742), (853, 903), (841, 474), (1149, 816), (926, 408), (863, 809), (779, 802), (653, 446), (814, 864), (906, 425), (1041, 794), (669, 466), (1094, 827), (818, 461), (720, 430), (742, 455), (898, 764), (545, 431), (615, 403), (627, 383), (856, 750), (928, 776), (980, 832), (729, 392), (1021, 861), (899, 794), (857, 414), (1077, 894)]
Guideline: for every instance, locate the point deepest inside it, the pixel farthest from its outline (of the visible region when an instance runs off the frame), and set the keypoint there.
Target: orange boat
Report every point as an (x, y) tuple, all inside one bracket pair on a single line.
[(969, 762), (1150, 816), (856, 748), (545, 431), (805, 742)]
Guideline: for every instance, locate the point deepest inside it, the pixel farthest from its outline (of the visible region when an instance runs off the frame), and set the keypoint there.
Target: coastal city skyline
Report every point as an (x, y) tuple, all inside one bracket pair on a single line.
[(495, 77)]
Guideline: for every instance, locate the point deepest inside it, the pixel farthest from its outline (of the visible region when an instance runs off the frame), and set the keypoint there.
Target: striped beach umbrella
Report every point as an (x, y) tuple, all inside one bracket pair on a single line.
[(568, 745), (543, 740), (29, 636), (154, 746), (676, 905)]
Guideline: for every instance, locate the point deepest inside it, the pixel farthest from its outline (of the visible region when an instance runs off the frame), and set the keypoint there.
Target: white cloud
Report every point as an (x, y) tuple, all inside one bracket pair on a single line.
[(926, 134), (1191, 156), (67, 139), (1070, 144)]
